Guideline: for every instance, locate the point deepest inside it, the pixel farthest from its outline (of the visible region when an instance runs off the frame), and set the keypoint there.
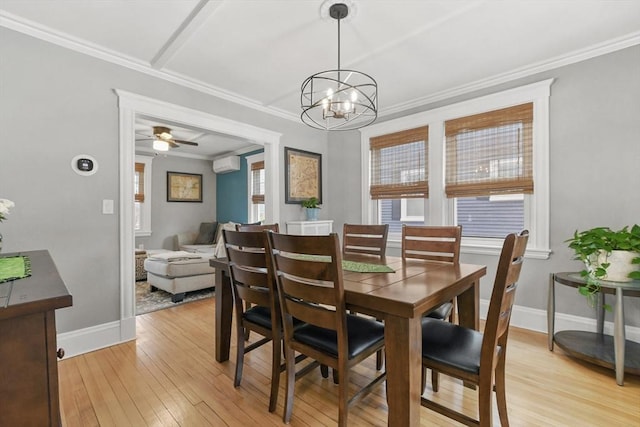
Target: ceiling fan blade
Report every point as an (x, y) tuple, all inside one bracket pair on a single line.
[(195, 144), (171, 143)]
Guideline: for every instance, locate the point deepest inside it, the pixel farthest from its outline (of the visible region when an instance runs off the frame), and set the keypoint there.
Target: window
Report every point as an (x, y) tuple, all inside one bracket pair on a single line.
[(399, 177), (256, 187), (487, 169), (142, 196)]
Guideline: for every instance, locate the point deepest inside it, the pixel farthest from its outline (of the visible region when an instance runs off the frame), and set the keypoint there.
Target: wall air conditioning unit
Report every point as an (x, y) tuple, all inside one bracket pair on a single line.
[(226, 164)]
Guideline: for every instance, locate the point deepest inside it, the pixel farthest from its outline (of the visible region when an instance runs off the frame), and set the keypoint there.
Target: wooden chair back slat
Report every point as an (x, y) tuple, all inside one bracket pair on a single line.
[(435, 243), (365, 238), (300, 265), (318, 315), (318, 293)]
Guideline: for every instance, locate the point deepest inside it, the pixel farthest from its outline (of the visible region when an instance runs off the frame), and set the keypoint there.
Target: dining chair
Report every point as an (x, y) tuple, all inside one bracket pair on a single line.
[(365, 239), (433, 243), (474, 357), (368, 239), (253, 284), (310, 286), (258, 227), (255, 227)]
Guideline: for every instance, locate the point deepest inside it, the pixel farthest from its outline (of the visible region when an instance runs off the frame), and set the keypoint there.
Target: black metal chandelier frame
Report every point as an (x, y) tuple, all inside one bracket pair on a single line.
[(331, 103)]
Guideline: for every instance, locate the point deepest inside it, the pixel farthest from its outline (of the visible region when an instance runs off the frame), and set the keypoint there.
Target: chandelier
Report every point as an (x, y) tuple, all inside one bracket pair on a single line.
[(339, 99)]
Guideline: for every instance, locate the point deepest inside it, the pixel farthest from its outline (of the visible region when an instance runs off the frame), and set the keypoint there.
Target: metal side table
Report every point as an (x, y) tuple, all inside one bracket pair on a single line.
[(604, 350)]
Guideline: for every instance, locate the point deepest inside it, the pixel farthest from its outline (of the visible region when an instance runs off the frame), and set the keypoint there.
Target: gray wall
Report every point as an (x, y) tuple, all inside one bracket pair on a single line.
[(55, 104), (169, 218), (594, 169)]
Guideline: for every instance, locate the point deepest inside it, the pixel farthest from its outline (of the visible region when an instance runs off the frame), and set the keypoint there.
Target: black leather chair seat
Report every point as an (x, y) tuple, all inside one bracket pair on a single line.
[(259, 315), (440, 312), (262, 316), (451, 344), (362, 333)]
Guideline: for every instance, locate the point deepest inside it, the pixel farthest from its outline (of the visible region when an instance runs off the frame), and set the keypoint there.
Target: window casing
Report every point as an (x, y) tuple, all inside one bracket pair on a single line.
[(439, 209)]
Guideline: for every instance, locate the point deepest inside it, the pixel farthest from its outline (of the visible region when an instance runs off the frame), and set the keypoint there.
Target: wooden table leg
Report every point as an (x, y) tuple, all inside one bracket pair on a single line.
[(224, 313), (403, 342), (469, 307)]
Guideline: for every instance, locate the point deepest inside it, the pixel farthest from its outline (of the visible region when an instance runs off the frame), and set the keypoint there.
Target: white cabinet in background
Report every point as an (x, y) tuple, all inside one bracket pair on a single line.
[(310, 228)]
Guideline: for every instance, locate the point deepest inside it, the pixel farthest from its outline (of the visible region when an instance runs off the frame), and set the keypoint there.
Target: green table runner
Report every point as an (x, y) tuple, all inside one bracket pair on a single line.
[(357, 267), (15, 267), (365, 267)]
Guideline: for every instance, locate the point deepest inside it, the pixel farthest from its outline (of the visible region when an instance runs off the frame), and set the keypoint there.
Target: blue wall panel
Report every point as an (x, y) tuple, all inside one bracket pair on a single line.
[(231, 193)]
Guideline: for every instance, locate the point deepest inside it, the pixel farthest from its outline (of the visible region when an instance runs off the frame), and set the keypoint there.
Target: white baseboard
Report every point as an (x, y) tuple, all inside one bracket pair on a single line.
[(112, 333), (536, 320), (96, 337)]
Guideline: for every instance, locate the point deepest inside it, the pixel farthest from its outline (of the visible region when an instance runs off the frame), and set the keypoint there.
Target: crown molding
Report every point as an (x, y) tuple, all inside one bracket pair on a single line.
[(41, 32), (600, 49)]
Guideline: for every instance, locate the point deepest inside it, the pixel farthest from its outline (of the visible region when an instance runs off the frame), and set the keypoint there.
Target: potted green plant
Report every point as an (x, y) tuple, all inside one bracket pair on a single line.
[(607, 255), (312, 206)]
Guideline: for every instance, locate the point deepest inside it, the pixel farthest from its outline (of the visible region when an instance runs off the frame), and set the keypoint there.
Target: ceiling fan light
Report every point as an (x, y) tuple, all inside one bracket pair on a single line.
[(160, 145)]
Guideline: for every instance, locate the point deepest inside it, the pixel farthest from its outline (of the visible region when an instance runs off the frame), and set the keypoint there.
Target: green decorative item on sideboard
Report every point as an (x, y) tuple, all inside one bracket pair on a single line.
[(607, 255), (312, 206)]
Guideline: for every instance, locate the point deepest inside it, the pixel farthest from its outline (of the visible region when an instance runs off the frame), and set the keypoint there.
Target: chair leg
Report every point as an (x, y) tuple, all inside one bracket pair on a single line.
[(239, 355), (485, 407), (501, 395), (435, 383), (343, 395), (423, 382), (275, 375), (290, 385), (247, 331), (324, 370), (379, 359)]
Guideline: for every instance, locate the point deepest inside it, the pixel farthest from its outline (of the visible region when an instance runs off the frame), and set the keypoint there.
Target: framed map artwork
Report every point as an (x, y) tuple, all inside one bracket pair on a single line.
[(184, 187), (303, 175)]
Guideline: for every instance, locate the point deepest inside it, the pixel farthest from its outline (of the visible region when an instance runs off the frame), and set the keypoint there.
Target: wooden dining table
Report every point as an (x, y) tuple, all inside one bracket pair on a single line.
[(399, 298)]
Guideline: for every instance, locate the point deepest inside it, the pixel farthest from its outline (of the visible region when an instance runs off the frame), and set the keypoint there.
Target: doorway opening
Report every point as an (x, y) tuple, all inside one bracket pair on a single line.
[(132, 106)]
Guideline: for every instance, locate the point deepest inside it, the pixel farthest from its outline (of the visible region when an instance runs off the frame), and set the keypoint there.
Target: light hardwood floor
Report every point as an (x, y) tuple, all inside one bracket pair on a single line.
[(169, 377)]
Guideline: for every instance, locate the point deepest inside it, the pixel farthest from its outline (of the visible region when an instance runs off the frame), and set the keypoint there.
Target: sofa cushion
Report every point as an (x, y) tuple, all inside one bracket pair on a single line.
[(207, 233)]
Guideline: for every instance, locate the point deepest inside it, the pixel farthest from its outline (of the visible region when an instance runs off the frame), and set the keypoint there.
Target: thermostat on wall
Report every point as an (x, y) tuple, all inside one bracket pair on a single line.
[(84, 164)]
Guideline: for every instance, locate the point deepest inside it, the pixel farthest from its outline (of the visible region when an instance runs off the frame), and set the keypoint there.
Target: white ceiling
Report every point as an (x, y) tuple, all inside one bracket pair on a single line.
[(258, 52)]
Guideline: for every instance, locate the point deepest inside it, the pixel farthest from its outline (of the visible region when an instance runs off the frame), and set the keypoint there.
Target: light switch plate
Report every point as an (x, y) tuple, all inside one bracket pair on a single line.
[(107, 207)]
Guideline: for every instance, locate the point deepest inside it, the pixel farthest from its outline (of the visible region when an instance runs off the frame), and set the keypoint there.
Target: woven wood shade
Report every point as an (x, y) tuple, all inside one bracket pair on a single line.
[(490, 153), (139, 190), (257, 193), (399, 165)]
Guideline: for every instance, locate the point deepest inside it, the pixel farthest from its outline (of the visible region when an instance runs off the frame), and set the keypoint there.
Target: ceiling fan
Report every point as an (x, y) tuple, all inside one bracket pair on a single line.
[(163, 140)]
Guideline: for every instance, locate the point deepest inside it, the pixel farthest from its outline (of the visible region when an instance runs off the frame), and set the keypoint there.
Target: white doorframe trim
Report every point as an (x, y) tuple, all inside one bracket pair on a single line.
[(130, 105)]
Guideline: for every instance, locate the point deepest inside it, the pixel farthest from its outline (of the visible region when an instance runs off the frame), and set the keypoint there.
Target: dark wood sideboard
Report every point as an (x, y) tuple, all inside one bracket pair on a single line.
[(28, 350)]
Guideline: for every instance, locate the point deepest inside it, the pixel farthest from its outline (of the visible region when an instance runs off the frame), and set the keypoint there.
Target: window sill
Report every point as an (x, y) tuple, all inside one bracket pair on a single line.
[(488, 247)]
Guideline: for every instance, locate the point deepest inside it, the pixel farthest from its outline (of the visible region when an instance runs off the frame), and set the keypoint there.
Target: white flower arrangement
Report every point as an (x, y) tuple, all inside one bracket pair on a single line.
[(5, 205)]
